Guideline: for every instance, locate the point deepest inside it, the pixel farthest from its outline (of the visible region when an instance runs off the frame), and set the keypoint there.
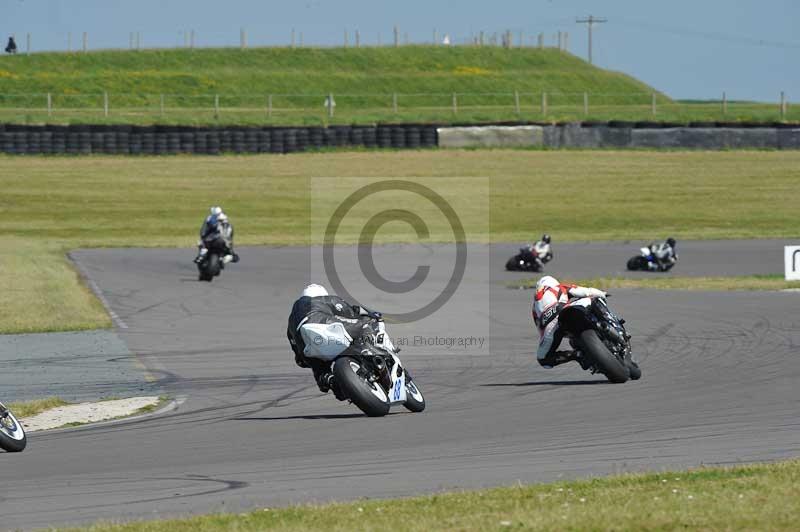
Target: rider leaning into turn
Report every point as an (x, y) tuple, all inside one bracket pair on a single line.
[(550, 298), (216, 221), (664, 254), (542, 248), (315, 306)]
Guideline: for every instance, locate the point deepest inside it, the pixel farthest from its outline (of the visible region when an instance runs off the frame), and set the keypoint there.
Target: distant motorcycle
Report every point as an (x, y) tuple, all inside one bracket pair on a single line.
[(646, 261), (528, 260), (212, 262), (12, 434), (601, 337), (367, 369)]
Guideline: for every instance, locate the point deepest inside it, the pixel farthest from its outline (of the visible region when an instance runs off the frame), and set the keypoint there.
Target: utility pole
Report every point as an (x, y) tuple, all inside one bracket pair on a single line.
[(591, 21)]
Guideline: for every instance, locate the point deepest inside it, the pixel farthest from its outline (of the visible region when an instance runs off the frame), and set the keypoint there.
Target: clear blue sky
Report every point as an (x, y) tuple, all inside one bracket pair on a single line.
[(689, 49)]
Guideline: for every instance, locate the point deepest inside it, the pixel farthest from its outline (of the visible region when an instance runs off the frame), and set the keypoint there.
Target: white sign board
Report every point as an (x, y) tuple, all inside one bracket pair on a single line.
[(791, 260)]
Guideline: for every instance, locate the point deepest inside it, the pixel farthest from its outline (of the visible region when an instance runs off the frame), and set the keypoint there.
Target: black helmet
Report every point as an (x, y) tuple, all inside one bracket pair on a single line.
[(546, 238), (671, 242)]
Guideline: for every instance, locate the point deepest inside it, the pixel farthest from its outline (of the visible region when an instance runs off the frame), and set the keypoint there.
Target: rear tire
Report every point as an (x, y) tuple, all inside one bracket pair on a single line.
[(415, 401), (604, 360), (12, 434), (369, 397)]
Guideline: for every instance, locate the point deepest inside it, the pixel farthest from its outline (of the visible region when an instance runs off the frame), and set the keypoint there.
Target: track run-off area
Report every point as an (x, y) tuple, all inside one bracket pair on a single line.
[(719, 387)]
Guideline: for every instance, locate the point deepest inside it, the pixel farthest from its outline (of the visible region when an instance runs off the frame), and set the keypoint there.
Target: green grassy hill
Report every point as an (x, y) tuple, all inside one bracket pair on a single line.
[(362, 80), (230, 72)]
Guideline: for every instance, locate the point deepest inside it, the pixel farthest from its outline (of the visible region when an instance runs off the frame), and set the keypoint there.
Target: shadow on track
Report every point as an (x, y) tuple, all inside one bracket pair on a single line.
[(548, 383), (309, 417)]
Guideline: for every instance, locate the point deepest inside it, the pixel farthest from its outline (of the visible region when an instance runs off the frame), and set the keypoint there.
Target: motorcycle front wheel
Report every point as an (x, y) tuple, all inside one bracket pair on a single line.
[(415, 401), (12, 435), (368, 396)]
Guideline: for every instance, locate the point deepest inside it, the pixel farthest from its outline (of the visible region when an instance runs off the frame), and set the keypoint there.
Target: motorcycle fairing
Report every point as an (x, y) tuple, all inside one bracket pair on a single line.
[(325, 341)]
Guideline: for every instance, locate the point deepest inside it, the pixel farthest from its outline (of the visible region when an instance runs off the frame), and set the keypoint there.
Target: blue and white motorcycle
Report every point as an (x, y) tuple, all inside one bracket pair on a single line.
[(366, 370), (646, 261)]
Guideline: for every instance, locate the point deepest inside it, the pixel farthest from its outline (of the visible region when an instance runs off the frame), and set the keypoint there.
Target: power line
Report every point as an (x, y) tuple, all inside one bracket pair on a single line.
[(591, 21)]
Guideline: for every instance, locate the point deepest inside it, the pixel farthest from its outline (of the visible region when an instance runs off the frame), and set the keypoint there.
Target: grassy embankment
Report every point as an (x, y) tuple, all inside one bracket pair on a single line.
[(51, 205), (751, 497), (362, 80)]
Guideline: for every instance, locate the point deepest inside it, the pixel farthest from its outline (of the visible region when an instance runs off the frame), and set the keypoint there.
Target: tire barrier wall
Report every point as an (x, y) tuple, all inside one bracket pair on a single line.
[(613, 136), (165, 140)]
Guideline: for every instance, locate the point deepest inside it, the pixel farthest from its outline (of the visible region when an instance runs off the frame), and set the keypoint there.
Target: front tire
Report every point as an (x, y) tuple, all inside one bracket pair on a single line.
[(415, 401), (603, 359), (636, 263), (370, 397), (12, 434)]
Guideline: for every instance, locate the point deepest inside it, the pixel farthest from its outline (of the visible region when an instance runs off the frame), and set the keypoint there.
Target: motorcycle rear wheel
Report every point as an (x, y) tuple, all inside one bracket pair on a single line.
[(12, 434), (369, 397), (614, 370)]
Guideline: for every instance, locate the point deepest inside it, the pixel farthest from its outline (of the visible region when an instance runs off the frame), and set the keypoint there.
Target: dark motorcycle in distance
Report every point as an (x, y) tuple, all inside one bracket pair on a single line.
[(12, 434), (601, 337), (212, 263), (528, 260)]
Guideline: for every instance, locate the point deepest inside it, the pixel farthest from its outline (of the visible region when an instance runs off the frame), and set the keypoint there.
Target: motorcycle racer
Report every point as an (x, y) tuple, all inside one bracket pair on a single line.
[(550, 298), (664, 255), (216, 221), (314, 307), (539, 251)]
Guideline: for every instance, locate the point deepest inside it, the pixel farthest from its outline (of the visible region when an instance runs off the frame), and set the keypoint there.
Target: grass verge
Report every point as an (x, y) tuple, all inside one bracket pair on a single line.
[(750, 497), (37, 406), (738, 283), (160, 201)]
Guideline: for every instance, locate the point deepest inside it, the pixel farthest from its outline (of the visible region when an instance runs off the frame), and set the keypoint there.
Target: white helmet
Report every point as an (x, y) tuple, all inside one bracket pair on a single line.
[(222, 217), (546, 282), (216, 210), (314, 290)]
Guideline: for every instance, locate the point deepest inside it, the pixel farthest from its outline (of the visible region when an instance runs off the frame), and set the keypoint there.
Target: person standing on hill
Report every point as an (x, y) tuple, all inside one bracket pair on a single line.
[(11, 47)]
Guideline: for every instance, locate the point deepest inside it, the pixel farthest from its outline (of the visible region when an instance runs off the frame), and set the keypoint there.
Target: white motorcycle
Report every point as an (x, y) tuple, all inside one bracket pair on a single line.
[(12, 435), (367, 369)]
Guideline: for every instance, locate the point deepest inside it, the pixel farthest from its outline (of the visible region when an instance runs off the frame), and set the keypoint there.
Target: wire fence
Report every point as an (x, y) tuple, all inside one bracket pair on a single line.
[(252, 108)]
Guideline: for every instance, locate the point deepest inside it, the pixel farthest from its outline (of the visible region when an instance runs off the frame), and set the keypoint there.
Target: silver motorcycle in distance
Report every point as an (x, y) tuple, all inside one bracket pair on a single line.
[(12, 434)]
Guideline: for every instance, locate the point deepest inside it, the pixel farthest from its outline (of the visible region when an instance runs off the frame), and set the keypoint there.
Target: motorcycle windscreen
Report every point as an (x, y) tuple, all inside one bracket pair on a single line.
[(324, 341)]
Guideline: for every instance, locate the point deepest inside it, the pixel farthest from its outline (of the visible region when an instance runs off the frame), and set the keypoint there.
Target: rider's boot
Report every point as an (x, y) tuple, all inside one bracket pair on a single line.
[(201, 253)]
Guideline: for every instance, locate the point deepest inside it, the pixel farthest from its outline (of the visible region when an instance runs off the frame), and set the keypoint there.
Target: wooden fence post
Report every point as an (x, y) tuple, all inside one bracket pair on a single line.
[(394, 102), (216, 106), (653, 104), (269, 106), (85, 42), (585, 104), (724, 104), (455, 103), (105, 104), (49, 104), (544, 103), (516, 101)]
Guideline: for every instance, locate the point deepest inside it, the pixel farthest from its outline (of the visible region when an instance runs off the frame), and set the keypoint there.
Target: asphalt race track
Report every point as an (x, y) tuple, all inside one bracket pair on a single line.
[(720, 386)]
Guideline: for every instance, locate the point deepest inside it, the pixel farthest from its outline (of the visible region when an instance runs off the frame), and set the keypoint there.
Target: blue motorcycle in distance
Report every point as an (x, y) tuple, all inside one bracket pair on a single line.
[(645, 261)]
